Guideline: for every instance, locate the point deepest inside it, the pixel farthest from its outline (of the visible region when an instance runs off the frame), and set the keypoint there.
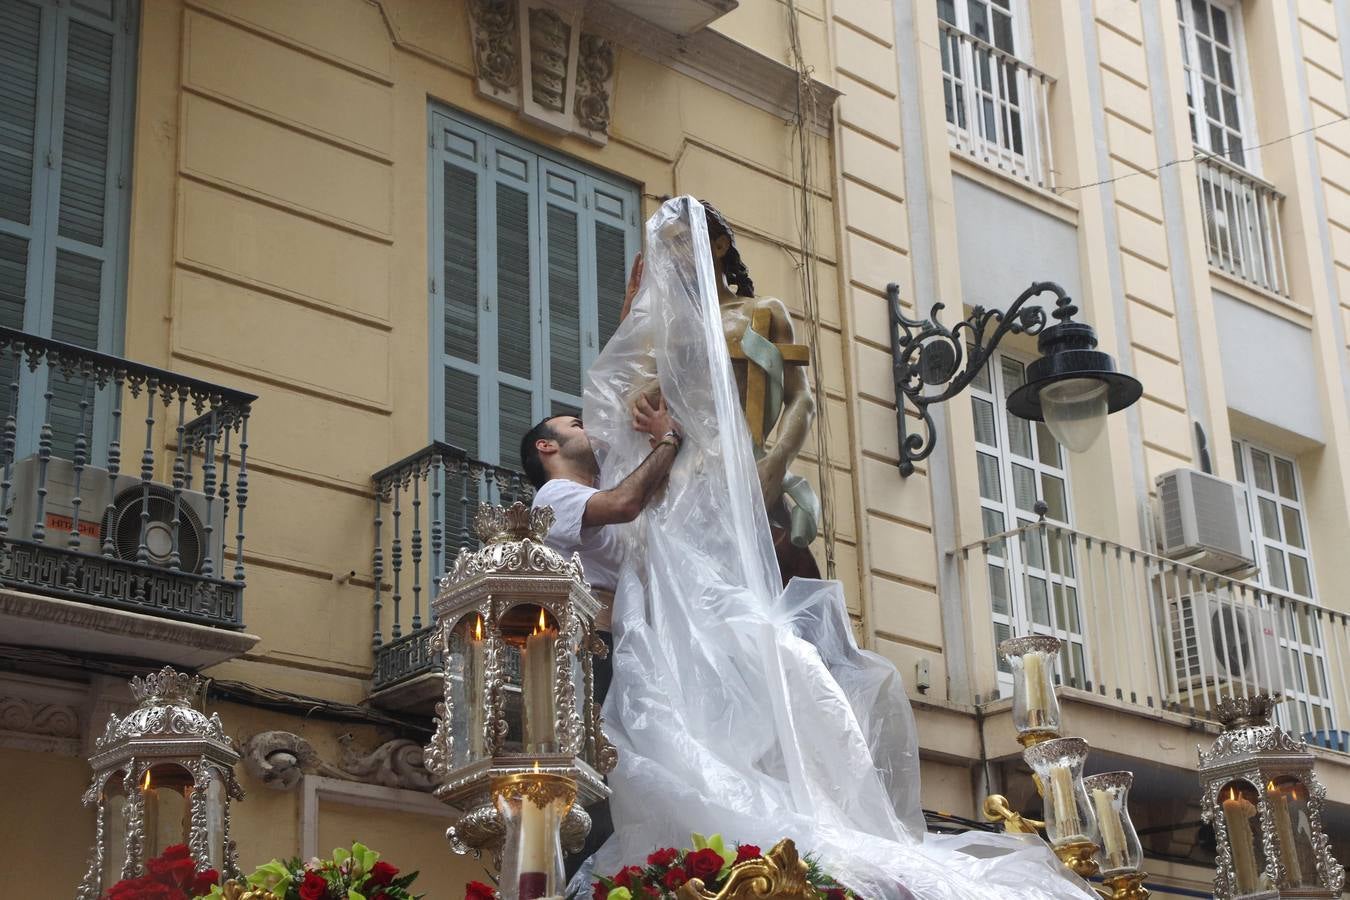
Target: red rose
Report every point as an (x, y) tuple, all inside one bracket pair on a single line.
[(836, 893), (628, 877), (175, 851), (476, 890), (704, 863), (599, 891), (382, 874), (314, 887), (175, 871), (651, 890), (674, 878), (747, 851), (204, 880), (662, 857)]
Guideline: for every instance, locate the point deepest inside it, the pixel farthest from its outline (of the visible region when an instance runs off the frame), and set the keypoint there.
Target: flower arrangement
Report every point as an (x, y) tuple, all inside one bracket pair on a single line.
[(667, 869), (355, 874)]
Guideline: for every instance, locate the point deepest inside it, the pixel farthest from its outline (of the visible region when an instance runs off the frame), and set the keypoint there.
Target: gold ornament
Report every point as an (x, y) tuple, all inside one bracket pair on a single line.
[(997, 809), (1129, 886), (234, 890)]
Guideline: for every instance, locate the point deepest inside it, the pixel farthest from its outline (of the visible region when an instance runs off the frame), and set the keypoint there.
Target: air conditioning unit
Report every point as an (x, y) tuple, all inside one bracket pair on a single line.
[(131, 501), (1221, 648), (1202, 521)]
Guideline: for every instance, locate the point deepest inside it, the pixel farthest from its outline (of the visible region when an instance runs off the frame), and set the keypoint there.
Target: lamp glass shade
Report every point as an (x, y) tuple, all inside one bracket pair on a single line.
[(1075, 411)]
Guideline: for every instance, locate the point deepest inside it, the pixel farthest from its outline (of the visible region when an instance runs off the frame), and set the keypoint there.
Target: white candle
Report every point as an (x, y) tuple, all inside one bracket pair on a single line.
[(1113, 835), (1284, 831), (537, 669), (474, 693), (1033, 672), (1066, 809), (1237, 814), (533, 856)]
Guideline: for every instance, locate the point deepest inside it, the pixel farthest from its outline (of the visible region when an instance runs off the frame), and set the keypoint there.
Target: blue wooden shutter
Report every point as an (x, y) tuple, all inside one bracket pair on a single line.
[(566, 290), (615, 243)]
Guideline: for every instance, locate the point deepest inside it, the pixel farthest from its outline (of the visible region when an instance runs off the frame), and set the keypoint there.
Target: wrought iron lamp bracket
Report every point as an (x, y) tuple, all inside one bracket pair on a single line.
[(926, 354)]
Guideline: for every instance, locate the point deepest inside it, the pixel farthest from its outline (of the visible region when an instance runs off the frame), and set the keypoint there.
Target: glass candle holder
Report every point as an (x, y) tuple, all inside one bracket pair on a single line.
[(1287, 798), (1069, 818), (1109, 793), (532, 806), (1035, 705)]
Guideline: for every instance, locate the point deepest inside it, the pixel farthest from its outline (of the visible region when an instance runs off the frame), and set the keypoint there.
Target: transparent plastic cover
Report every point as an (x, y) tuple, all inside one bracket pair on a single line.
[(739, 707)]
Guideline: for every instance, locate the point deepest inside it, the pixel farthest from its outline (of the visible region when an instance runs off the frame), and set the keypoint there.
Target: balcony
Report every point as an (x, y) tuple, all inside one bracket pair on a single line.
[(141, 561), (1242, 224), (998, 107), (424, 509), (1153, 636)]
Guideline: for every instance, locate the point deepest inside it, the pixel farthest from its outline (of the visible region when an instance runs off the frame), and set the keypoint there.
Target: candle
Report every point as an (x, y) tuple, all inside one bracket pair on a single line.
[(1033, 671), (1113, 835), (1066, 808), (474, 692), (1237, 814), (537, 665), (533, 856), (1284, 832)]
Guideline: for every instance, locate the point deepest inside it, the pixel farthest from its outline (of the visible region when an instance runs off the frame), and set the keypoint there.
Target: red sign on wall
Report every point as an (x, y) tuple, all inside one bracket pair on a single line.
[(58, 522)]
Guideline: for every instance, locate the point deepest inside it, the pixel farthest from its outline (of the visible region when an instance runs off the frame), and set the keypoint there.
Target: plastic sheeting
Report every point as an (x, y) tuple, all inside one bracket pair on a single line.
[(738, 707)]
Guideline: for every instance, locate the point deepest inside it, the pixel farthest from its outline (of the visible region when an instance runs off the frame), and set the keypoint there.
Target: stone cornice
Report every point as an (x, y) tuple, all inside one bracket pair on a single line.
[(714, 59)]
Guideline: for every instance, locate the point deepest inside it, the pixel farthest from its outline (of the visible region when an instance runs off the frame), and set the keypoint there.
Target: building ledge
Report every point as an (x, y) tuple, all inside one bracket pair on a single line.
[(418, 694), (33, 620)]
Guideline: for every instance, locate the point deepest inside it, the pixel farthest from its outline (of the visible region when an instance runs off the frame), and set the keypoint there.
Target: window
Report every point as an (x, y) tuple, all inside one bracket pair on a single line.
[(996, 103), (1284, 557), (529, 262), (1211, 51), (1032, 582), (65, 125)]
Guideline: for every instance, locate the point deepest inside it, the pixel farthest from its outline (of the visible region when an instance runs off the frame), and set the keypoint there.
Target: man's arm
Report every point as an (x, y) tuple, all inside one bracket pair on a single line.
[(799, 410), (626, 500)]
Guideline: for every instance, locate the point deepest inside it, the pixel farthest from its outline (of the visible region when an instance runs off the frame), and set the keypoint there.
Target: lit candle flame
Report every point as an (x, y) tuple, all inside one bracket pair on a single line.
[(543, 623), (478, 629), (145, 785), (1232, 793), (536, 767)]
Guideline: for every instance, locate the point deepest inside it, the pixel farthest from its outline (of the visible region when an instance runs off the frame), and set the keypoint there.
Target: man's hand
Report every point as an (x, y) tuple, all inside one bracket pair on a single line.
[(634, 279), (655, 421)]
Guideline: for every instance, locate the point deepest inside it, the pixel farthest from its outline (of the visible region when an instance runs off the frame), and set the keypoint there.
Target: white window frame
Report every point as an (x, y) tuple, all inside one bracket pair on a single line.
[(1195, 83), (1301, 642), (990, 387)]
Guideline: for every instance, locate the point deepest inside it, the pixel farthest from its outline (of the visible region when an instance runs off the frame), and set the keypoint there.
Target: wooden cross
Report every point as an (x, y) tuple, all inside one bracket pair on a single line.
[(756, 379)]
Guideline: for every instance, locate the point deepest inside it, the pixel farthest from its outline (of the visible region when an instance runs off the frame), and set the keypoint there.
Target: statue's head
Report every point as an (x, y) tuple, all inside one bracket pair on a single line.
[(725, 254)]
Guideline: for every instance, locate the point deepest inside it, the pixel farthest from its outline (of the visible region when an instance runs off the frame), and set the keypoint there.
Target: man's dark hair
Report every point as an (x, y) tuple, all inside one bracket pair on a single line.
[(529, 453), (732, 266)]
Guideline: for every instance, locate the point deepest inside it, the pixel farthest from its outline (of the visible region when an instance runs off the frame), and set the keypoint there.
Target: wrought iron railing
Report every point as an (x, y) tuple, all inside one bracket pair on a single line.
[(1153, 633), (1242, 224), (424, 510), (998, 107), (156, 536)]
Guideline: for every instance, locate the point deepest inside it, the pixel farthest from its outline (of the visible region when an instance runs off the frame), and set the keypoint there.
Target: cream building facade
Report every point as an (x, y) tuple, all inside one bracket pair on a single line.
[(359, 246)]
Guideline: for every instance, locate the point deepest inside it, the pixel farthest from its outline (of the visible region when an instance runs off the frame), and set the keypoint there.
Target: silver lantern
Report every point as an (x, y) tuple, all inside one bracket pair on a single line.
[(515, 628), (1265, 803), (163, 775)]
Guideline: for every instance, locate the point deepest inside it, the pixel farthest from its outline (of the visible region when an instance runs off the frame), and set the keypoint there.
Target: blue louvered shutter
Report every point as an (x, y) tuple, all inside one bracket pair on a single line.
[(65, 98)]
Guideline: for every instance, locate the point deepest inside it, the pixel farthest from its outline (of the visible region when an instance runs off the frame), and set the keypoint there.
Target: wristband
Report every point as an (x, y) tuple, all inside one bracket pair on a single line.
[(674, 436)]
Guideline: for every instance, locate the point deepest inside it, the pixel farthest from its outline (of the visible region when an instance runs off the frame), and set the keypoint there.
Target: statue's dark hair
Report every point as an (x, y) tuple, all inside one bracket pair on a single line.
[(732, 266), (529, 452)]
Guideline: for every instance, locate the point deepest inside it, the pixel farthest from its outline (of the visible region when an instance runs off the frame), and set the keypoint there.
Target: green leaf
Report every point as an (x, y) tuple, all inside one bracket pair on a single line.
[(340, 855), (365, 858), (620, 893), (274, 876), (699, 840), (354, 894)]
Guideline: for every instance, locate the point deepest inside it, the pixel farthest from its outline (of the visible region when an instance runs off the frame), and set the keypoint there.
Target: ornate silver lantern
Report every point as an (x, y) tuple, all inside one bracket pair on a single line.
[(515, 626), (1265, 803), (163, 775)]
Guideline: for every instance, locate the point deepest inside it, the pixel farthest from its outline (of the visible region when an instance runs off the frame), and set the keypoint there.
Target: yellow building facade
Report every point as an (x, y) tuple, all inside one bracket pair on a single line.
[(393, 237)]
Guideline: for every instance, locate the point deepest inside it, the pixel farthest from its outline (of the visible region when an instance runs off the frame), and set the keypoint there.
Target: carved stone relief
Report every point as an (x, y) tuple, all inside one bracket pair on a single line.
[(534, 56), (280, 759)]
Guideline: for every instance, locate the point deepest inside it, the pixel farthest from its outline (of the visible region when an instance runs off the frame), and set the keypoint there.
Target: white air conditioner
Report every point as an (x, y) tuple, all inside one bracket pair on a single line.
[(131, 502), (1221, 647), (1202, 521)]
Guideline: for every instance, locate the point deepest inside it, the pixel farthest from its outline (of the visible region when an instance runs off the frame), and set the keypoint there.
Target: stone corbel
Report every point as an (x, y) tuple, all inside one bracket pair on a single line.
[(281, 759), (533, 56)]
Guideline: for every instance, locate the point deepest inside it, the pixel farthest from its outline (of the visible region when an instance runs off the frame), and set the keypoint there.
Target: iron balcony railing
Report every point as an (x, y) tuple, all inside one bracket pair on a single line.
[(1242, 224), (123, 485), (998, 107), (424, 511), (1152, 633)]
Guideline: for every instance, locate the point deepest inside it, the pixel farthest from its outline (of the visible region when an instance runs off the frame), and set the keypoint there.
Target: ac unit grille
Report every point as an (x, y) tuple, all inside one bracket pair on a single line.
[(1216, 516), (153, 507), (1174, 523)]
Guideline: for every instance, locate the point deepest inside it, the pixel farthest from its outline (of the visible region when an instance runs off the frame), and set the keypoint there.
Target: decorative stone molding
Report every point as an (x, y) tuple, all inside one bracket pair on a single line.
[(56, 720), (281, 760), (535, 57)]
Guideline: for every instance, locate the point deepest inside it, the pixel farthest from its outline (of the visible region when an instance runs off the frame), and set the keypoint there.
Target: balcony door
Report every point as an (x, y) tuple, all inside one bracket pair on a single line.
[(66, 89), (1033, 583)]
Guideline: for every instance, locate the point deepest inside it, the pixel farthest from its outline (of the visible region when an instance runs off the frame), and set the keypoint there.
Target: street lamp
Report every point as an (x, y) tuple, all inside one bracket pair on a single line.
[(1072, 387)]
